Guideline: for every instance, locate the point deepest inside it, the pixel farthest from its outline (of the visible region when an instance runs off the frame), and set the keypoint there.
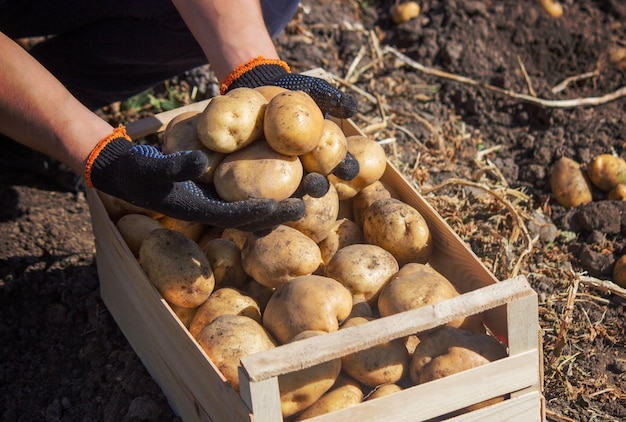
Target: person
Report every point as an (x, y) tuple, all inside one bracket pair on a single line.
[(95, 53)]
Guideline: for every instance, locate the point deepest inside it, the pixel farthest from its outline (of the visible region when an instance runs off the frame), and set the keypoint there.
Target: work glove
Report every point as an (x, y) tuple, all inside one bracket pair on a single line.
[(142, 175), (261, 71)]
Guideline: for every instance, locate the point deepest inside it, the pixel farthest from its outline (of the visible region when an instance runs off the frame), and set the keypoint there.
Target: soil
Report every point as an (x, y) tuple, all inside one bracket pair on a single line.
[(461, 98)]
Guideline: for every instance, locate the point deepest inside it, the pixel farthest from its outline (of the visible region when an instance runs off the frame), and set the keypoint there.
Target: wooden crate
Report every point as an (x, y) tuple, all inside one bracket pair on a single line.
[(197, 391)]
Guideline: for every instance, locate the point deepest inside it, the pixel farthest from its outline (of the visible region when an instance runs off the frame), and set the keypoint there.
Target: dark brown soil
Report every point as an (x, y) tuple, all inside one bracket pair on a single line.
[(479, 152)]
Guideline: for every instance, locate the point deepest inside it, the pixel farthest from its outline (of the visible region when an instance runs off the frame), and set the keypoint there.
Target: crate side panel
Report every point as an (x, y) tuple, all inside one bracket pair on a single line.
[(433, 399), (526, 408), (318, 349), (195, 389), (451, 256)]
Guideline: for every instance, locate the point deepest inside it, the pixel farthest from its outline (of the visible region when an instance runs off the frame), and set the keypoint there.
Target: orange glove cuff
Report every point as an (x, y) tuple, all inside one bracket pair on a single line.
[(246, 67), (119, 132)]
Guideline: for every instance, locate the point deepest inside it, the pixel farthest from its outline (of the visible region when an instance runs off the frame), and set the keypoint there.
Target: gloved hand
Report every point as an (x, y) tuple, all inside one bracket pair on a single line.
[(143, 176), (261, 71)]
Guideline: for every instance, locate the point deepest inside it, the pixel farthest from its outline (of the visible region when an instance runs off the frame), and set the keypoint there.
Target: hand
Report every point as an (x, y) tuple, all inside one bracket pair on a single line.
[(261, 71), (143, 176)]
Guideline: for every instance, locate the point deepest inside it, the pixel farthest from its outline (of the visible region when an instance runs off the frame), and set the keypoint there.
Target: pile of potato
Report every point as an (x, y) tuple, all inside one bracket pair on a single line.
[(360, 253), (573, 185)]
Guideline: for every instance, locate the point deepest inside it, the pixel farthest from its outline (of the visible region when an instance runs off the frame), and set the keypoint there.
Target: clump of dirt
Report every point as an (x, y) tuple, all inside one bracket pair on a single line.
[(472, 100)]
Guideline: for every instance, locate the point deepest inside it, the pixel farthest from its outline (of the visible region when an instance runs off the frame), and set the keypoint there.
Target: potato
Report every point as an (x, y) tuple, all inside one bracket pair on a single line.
[(228, 339), (398, 228), (293, 123), (308, 302), (403, 12), (417, 285), (321, 215), (569, 183), (361, 308), (257, 171), (238, 237), (345, 208), (300, 389), (270, 91), (329, 152), (233, 120), (185, 315), (343, 233), (383, 390), (343, 394), (177, 267), (552, 7), (225, 300), (618, 193), (225, 259), (619, 271), (363, 269), (181, 134), (607, 171), (134, 228), (380, 364), (447, 350), (117, 208), (280, 256), (260, 293), (372, 164), (192, 230), (365, 198)]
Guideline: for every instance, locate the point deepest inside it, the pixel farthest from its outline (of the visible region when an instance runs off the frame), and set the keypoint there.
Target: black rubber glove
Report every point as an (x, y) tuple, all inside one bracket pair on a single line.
[(261, 71), (143, 176)]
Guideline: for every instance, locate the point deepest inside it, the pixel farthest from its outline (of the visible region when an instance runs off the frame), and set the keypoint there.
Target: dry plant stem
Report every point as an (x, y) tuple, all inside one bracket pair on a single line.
[(519, 222), (377, 54), (355, 88), (435, 131), (489, 168), (566, 320), (572, 103), (565, 82), (557, 416), (409, 134), (523, 255), (487, 151), (604, 286), (438, 139), (526, 77), (354, 64)]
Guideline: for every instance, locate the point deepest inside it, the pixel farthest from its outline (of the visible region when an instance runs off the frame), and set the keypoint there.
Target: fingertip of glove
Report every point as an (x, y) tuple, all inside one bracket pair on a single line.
[(348, 107), (314, 184), (348, 169), (192, 165)]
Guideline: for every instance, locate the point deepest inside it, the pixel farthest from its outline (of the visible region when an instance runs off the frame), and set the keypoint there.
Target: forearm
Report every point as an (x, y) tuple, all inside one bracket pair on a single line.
[(39, 112), (230, 32)]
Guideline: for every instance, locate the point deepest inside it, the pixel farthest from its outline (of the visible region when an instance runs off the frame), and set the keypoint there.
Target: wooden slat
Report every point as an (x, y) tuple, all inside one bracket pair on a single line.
[(315, 350), (445, 395), (524, 333), (262, 397), (525, 408)]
